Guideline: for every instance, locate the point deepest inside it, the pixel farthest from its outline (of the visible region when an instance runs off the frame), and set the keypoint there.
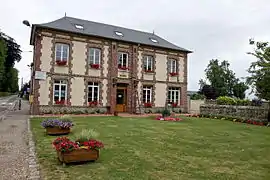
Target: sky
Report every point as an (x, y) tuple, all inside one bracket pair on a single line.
[(211, 29)]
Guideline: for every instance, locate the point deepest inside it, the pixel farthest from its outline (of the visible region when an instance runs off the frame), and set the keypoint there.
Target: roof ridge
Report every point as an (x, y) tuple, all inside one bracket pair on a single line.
[(110, 25)]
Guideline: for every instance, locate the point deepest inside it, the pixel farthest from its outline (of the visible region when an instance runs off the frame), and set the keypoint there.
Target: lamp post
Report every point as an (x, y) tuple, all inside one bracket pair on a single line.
[(27, 23)]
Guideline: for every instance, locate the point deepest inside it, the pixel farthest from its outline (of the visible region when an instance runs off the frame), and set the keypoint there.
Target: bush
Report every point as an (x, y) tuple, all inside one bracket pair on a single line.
[(166, 113), (225, 100)]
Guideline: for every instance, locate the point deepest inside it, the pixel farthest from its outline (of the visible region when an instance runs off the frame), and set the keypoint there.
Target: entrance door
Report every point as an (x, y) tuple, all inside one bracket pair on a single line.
[(121, 99)]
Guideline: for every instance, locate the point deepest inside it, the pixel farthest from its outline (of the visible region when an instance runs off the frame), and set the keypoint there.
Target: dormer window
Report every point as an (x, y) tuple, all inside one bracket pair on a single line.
[(154, 40), (119, 33), (78, 26)]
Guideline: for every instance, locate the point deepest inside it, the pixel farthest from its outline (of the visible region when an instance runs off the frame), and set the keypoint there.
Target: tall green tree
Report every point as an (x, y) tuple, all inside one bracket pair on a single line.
[(13, 54), (260, 71), (3, 55), (223, 80)]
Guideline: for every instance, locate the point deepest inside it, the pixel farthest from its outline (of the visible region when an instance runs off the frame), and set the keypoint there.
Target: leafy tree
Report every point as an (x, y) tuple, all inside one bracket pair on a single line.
[(223, 80), (260, 71), (13, 54), (197, 96), (3, 55), (209, 92)]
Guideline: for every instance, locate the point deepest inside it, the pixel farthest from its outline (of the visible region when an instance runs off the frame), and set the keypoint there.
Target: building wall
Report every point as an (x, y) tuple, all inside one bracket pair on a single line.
[(78, 72)]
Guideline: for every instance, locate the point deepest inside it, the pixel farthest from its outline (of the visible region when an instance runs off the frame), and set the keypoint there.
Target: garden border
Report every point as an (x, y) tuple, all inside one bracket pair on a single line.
[(34, 172)]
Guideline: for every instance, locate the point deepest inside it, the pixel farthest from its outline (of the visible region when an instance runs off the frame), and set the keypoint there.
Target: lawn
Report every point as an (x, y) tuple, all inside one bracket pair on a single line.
[(142, 148)]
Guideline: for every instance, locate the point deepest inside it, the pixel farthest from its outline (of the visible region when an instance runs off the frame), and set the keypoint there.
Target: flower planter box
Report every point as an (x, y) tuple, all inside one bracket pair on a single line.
[(57, 131), (78, 155)]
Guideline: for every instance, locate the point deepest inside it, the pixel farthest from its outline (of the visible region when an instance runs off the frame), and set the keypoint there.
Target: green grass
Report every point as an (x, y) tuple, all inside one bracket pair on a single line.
[(145, 149)]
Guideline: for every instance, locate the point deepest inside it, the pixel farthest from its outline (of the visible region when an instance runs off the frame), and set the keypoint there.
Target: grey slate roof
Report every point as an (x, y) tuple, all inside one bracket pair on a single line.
[(108, 31)]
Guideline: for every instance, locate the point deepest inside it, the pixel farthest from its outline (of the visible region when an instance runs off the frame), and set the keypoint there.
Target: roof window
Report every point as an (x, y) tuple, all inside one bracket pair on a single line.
[(154, 40), (119, 33), (78, 26)]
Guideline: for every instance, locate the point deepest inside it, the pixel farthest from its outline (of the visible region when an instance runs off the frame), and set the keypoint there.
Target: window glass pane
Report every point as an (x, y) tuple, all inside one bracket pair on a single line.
[(125, 60), (63, 91), (145, 63), (58, 55), (95, 93)]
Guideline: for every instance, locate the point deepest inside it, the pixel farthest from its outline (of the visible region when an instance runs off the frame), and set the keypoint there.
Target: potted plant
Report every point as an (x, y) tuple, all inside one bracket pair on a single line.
[(84, 148), (58, 126)]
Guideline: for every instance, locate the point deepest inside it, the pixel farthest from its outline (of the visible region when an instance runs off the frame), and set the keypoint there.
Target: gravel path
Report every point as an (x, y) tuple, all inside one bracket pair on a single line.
[(14, 145)]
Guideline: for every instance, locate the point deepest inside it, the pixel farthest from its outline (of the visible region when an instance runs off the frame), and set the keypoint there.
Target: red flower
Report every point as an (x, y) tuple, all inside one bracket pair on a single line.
[(148, 71), (60, 102), (95, 66), (93, 144), (61, 62), (122, 67), (93, 103), (173, 73), (148, 105)]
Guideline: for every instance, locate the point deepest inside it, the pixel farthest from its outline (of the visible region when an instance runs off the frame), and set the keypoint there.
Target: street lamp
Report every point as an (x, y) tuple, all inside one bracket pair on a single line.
[(26, 22)]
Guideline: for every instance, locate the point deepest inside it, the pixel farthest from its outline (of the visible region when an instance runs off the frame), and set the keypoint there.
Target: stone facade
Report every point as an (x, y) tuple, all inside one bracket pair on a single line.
[(248, 112), (78, 73)]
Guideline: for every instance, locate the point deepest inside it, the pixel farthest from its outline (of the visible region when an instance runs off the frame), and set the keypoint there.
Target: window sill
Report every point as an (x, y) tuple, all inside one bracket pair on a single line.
[(95, 68), (123, 70), (60, 104), (60, 65), (149, 72)]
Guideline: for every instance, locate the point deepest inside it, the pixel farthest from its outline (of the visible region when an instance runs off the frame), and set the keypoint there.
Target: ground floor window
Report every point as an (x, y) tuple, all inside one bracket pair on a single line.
[(60, 91), (93, 93), (147, 96), (174, 96)]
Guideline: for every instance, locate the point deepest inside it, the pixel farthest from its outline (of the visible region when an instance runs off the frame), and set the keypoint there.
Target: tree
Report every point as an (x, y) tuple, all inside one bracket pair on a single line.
[(13, 54), (223, 80), (3, 55), (260, 71)]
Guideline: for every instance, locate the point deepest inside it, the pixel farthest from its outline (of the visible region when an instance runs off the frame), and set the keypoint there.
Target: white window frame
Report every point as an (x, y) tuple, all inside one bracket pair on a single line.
[(121, 57), (173, 97), (60, 84), (149, 60), (62, 51), (93, 86), (171, 68), (147, 89), (93, 61)]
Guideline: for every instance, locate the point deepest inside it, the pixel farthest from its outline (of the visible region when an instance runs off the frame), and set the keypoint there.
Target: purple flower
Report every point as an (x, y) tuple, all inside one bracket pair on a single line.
[(64, 124)]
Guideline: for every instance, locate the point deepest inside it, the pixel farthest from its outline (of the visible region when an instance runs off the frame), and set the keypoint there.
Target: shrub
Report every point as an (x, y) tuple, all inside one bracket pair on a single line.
[(225, 100), (242, 102), (86, 135), (166, 113)]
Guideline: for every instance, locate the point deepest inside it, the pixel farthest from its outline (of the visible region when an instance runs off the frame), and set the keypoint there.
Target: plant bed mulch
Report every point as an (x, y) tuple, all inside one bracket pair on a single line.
[(234, 119), (57, 131)]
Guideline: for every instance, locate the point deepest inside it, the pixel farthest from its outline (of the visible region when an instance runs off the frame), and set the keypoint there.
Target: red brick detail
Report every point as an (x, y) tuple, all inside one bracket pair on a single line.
[(37, 63), (112, 82)]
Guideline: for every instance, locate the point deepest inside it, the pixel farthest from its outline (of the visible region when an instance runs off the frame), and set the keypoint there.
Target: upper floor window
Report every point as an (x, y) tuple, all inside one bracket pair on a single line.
[(61, 53), (173, 96), (93, 93), (94, 57), (172, 67), (122, 61), (148, 63), (60, 91)]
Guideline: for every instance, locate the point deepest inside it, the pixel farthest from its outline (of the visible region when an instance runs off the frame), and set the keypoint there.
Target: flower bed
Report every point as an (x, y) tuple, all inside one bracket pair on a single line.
[(95, 66), (59, 126), (61, 62), (170, 118), (77, 151), (234, 119)]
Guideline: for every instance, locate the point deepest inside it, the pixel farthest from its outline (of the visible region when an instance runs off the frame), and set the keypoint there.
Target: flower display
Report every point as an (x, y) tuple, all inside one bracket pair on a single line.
[(61, 62), (64, 124), (63, 144), (161, 118), (148, 105), (60, 102), (122, 67), (93, 144), (173, 74), (93, 103), (95, 66)]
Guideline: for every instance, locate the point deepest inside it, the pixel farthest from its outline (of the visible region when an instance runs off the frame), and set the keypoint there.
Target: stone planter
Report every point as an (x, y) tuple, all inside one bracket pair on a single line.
[(57, 131), (78, 155)]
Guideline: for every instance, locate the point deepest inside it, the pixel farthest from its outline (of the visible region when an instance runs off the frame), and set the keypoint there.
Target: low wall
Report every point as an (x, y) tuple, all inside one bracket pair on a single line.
[(248, 112)]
